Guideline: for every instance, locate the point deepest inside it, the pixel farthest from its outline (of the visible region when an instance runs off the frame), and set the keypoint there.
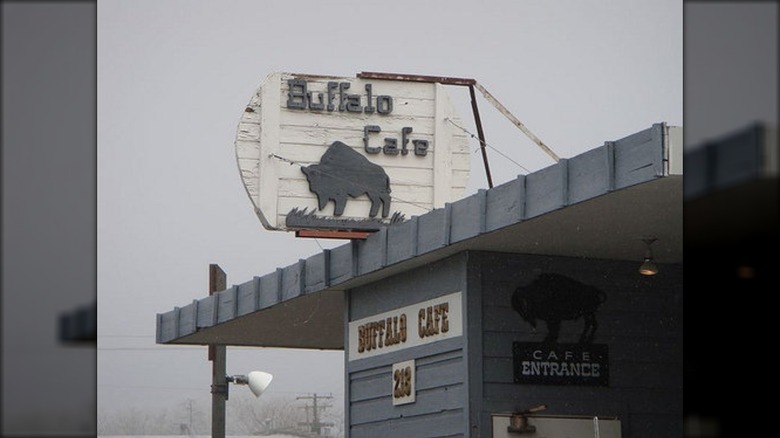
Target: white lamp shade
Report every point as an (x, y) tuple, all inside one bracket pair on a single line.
[(258, 382)]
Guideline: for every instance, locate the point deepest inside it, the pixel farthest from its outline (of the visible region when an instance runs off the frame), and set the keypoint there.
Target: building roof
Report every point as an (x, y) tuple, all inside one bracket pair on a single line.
[(79, 325), (731, 189), (598, 204)]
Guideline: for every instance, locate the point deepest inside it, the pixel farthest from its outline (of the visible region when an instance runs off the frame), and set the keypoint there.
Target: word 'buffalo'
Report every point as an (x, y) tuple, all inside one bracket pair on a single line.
[(553, 298), (343, 171)]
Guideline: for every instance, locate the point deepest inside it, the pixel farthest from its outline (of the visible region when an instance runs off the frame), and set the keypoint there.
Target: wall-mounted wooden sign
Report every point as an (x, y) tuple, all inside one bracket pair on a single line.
[(403, 382), (321, 152), (546, 363), (419, 324)]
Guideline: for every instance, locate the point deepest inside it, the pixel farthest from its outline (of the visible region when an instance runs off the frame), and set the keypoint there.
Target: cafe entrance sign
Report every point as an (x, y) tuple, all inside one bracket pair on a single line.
[(323, 152)]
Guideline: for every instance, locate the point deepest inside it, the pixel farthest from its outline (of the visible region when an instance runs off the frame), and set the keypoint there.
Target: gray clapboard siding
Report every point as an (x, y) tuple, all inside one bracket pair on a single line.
[(404, 241), (494, 344), (188, 318), (634, 161), (590, 174), (444, 424), (632, 374), (698, 175), (468, 217), (437, 351), (369, 384), (737, 159), (545, 190), (206, 311), (316, 273), (292, 281), (432, 231), (441, 370), (373, 252), (504, 319), (428, 401), (505, 204), (440, 367), (743, 156), (168, 324), (227, 304), (637, 348), (269, 285), (248, 296), (497, 369), (341, 263), (424, 283)]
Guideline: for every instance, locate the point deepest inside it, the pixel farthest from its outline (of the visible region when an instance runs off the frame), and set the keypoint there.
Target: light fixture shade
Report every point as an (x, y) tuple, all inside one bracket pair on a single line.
[(648, 267), (258, 382)]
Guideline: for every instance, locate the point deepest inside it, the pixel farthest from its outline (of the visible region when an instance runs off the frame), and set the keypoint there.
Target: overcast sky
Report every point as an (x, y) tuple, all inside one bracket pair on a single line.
[(175, 76)]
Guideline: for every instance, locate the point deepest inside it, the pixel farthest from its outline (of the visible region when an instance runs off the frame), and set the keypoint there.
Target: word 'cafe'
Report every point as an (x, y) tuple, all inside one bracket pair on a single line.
[(431, 321)]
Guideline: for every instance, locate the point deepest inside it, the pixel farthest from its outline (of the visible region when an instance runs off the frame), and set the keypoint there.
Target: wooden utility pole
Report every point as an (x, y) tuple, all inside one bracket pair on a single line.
[(315, 425), (217, 354)]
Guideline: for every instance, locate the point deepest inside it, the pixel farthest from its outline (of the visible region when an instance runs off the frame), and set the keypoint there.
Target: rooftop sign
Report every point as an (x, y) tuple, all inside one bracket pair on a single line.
[(322, 152)]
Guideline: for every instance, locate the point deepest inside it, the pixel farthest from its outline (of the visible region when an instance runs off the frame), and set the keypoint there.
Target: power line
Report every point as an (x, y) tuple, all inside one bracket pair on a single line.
[(204, 389), (484, 143), (315, 425), (175, 388)]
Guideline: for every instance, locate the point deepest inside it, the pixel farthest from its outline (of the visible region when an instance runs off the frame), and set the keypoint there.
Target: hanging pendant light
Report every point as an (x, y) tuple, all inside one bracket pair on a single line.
[(648, 266)]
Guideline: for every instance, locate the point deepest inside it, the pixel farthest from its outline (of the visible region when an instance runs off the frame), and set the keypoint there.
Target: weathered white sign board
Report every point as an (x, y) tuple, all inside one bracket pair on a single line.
[(412, 158), (409, 326)]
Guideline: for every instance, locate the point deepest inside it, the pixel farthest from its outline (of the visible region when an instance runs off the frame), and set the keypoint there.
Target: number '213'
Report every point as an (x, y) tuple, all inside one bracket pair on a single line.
[(403, 382)]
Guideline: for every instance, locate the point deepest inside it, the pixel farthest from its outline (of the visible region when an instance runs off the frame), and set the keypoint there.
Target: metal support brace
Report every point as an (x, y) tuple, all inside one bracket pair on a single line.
[(471, 83)]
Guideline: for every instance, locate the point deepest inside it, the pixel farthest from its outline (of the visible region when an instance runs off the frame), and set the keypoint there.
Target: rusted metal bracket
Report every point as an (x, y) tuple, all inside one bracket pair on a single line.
[(471, 83), (333, 234), (502, 109), (416, 78), (466, 82), (481, 134)]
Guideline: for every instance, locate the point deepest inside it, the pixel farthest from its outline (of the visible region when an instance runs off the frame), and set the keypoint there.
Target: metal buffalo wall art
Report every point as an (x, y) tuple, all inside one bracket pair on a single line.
[(554, 298), (344, 172)]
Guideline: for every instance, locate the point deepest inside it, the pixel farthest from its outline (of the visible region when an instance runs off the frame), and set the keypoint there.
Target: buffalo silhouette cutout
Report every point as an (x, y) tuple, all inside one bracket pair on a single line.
[(343, 172), (554, 298)]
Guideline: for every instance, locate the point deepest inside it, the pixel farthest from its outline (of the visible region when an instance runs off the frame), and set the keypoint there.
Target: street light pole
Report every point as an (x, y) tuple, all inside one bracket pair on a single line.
[(219, 392), (257, 381), (217, 354)]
